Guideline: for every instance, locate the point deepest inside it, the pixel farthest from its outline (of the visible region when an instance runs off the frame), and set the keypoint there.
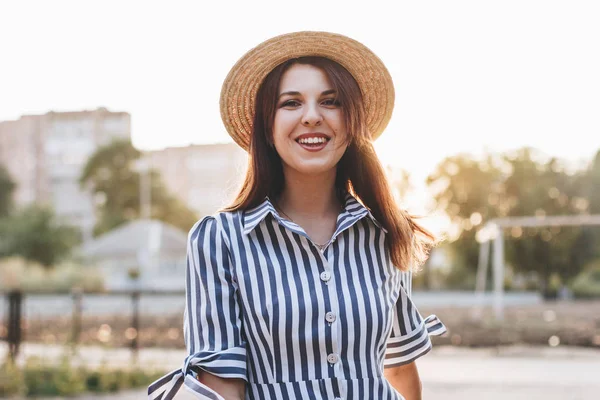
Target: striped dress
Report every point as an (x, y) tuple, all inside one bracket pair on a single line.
[(264, 304)]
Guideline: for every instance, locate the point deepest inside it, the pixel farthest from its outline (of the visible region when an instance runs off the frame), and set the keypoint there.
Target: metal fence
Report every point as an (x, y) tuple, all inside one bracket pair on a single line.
[(144, 318), (68, 318)]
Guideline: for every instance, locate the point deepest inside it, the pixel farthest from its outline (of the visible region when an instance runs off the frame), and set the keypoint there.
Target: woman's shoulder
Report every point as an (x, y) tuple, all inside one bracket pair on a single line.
[(221, 222)]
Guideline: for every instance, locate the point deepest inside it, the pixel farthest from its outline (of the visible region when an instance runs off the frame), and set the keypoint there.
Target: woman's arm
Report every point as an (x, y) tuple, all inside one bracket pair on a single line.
[(405, 379), (229, 388)]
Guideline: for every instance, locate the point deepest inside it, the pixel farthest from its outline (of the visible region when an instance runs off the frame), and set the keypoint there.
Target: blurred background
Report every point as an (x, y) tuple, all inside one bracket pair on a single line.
[(111, 148)]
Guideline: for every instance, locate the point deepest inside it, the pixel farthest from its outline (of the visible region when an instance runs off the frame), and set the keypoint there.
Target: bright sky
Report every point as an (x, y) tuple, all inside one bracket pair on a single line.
[(469, 75)]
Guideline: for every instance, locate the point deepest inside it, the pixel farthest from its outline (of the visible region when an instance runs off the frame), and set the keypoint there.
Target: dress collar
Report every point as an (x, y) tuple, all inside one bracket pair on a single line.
[(353, 211)]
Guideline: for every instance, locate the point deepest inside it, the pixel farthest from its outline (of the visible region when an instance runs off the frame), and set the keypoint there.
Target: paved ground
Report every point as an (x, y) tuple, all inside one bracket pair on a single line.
[(448, 373), (511, 373)]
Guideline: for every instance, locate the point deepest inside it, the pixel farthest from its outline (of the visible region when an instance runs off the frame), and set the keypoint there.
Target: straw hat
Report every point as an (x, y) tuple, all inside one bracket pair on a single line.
[(238, 93)]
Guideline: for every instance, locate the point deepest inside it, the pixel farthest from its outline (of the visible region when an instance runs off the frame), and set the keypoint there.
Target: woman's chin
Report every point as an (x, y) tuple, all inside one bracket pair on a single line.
[(313, 168)]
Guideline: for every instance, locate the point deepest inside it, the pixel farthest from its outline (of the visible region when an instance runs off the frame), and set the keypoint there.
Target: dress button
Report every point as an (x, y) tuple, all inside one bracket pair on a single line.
[(333, 358), (330, 317), (325, 276)]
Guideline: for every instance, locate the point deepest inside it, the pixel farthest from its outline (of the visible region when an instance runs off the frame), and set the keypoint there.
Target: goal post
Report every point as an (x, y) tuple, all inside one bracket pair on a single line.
[(493, 232)]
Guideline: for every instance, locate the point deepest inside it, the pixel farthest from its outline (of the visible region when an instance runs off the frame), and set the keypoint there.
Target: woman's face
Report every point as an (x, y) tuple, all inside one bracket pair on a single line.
[(309, 131)]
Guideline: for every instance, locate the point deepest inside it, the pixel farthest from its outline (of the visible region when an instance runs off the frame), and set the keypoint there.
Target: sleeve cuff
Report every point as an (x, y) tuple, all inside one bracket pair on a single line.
[(406, 349), (230, 363)]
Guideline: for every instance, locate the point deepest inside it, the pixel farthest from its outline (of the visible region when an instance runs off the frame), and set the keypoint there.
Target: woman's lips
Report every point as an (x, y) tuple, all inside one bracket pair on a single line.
[(319, 138), (313, 146)]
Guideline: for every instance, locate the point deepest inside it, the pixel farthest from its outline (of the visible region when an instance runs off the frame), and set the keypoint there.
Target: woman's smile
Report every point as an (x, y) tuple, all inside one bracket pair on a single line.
[(313, 141)]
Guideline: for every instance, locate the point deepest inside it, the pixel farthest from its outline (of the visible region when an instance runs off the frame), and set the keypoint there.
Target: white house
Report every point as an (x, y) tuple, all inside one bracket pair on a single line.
[(153, 248)]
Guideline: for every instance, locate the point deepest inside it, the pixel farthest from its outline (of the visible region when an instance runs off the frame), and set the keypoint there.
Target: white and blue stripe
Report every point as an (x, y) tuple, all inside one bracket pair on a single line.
[(264, 304)]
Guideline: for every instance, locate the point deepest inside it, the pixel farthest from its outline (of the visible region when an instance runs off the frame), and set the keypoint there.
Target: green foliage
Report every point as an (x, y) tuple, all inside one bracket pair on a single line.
[(460, 278), (592, 183), (7, 187), (28, 276), (553, 286), (35, 234), (468, 191), (68, 380), (587, 283), (520, 183), (53, 380), (108, 380), (11, 380), (539, 188), (139, 377), (110, 173), (40, 378)]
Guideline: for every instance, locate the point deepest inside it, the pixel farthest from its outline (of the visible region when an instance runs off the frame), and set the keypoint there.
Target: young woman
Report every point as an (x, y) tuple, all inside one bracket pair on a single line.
[(301, 288)]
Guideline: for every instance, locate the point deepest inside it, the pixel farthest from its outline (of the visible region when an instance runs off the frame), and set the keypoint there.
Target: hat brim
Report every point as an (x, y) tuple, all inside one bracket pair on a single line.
[(238, 94)]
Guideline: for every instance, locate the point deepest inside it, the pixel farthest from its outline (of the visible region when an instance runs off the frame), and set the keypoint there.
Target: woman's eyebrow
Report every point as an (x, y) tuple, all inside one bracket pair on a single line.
[(295, 93), (291, 93)]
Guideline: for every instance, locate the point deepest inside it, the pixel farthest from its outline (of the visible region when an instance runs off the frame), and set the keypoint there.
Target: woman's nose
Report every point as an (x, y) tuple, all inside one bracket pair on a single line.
[(312, 116)]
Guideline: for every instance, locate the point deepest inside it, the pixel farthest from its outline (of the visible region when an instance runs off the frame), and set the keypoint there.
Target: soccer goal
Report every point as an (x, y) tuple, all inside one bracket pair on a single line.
[(493, 231)]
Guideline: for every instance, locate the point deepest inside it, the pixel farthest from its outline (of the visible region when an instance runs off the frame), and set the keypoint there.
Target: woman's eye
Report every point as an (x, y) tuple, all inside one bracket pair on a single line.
[(290, 103), (331, 102)]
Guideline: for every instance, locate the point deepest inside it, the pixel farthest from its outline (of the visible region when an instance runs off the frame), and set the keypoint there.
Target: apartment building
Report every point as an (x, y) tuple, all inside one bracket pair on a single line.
[(205, 177), (45, 155)]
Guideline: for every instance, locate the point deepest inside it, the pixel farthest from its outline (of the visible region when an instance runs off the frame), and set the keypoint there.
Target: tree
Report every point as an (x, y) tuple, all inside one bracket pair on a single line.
[(518, 184), (110, 174), (544, 188), (35, 234), (7, 187), (470, 192), (591, 186)]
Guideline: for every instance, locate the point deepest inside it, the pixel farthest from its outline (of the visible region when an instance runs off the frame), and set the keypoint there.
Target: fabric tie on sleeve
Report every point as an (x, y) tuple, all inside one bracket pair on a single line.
[(410, 336), (435, 326), (227, 363)]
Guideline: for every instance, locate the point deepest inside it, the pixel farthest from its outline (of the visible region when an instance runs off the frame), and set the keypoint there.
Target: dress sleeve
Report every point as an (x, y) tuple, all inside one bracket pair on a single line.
[(409, 338), (212, 324)]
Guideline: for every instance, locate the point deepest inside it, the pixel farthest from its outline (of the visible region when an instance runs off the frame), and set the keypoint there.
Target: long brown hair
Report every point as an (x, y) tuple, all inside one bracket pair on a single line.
[(359, 171)]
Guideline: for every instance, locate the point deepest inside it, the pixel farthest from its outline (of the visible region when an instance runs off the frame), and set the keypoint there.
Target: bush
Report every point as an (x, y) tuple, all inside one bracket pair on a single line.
[(587, 283), (67, 275), (50, 380), (16, 273), (460, 278), (107, 380), (68, 380), (11, 380), (553, 287), (141, 377), (38, 378)]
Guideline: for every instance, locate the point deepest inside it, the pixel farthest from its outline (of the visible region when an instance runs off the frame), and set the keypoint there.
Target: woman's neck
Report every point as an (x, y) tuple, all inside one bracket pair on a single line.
[(311, 196)]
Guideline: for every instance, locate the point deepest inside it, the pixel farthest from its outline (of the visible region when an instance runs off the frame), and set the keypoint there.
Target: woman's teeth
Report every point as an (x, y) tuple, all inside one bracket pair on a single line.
[(319, 140)]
